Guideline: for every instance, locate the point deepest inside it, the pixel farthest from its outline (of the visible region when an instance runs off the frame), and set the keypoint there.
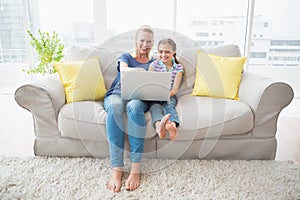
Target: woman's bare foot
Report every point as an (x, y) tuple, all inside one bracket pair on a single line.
[(134, 179), (171, 128), (161, 126), (115, 181)]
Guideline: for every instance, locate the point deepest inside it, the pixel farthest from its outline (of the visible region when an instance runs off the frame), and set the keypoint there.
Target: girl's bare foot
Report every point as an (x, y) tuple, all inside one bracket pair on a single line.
[(171, 128), (161, 126), (134, 179), (115, 181)]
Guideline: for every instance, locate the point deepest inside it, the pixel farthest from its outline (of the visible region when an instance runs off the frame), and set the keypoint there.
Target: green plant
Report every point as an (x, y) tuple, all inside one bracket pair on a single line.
[(49, 49)]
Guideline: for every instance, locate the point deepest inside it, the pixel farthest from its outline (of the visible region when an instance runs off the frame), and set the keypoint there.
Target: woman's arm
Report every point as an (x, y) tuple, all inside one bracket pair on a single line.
[(176, 84), (124, 66)]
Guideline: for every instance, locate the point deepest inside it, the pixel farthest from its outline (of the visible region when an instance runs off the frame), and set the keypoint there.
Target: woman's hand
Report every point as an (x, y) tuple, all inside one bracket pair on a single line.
[(137, 69)]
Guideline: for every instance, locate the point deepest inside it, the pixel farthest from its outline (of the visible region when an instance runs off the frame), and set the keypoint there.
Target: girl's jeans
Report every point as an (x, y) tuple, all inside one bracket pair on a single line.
[(115, 129), (159, 108)]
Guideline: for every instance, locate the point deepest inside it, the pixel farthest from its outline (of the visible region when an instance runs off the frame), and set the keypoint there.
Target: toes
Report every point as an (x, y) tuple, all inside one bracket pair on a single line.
[(133, 182), (132, 186), (110, 187), (172, 131), (115, 181), (127, 186), (162, 126), (117, 188)]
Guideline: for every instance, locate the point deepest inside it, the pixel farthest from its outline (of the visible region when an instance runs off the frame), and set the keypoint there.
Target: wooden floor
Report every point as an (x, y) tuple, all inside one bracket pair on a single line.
[(16, 136)]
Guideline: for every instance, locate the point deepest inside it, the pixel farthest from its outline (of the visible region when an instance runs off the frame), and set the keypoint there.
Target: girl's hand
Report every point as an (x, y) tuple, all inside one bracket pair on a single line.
[(172, 93)]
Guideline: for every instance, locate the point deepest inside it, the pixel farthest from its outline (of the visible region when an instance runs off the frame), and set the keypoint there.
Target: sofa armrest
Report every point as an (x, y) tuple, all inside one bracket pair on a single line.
[(43, 98), (267, 98)]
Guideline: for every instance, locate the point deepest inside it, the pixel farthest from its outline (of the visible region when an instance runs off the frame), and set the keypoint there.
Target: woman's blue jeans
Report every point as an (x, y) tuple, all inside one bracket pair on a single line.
[(115, 128), (160, 108)]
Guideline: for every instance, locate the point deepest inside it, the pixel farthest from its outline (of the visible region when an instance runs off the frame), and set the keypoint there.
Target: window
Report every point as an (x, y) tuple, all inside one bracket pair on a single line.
[(278, 27), (201, 34), (72, 20), (223, 21), (12, 35), (258, 55), (123, 16), (216, 22)]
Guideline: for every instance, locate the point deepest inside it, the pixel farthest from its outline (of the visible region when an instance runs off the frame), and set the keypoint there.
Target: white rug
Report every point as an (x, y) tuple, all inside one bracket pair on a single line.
[(85, 178)]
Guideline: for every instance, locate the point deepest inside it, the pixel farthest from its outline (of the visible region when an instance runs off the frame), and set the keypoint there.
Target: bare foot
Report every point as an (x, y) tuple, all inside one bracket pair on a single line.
[(161, 128), (134, 179), (115, 181), (171, 128)]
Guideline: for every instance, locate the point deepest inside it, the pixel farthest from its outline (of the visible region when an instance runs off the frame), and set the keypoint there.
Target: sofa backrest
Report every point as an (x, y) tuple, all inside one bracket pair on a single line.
[(109, 51)]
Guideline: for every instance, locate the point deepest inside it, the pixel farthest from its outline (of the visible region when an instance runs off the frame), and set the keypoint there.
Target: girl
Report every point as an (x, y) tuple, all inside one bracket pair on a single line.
[(167, 63)]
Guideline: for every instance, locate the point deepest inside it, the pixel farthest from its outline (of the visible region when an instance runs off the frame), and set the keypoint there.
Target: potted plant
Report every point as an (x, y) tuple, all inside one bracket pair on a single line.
[(49, 49)]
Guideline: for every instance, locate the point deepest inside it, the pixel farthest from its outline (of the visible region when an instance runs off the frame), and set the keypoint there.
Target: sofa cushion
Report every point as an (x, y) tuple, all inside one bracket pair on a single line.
[(83, 120), (218, 76), (188, 58), (86, 121), (82, 80), (107, 60), (207, 117), (201, 117)]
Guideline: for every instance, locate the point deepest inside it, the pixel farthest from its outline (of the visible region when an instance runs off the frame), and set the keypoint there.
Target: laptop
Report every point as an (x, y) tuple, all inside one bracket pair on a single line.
[(145, 85)]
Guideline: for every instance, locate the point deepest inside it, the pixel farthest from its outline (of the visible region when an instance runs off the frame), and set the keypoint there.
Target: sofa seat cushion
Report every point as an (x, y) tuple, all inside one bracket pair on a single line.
[(201, 117), (83, 120), (86, 121), (206, 117)]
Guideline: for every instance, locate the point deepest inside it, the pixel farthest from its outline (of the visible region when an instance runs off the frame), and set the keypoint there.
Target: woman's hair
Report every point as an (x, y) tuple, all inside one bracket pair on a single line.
[(170, 42), (144, 28)]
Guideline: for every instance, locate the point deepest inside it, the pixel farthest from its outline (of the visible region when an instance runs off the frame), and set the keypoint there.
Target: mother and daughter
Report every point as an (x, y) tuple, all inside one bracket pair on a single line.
[(163, 114)]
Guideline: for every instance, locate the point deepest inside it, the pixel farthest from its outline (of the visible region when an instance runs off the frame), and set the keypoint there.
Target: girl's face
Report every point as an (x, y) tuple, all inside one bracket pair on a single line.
[(165, 53), (144, 42)]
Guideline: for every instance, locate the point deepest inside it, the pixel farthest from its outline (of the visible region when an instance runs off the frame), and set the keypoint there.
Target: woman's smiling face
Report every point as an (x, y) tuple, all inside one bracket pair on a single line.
[(144, 42)]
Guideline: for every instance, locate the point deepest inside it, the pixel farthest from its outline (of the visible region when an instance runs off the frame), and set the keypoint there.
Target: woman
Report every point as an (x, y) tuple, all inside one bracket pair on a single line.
[(114, 106)]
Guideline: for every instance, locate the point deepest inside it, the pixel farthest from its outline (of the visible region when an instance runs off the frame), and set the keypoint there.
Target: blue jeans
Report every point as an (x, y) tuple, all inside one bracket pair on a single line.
[(115, 129), (160, 108)]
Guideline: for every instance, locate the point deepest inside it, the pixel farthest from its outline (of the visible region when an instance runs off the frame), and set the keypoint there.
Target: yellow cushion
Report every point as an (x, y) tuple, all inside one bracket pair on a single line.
[(218, 76), (82, 80)]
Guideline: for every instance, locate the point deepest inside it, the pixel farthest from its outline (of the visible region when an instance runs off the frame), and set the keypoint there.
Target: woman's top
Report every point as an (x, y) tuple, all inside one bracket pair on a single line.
[(159, 66), (131, 62)]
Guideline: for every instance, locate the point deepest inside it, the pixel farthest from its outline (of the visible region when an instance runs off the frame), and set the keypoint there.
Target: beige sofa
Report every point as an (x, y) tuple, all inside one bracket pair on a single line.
[(210, 128)]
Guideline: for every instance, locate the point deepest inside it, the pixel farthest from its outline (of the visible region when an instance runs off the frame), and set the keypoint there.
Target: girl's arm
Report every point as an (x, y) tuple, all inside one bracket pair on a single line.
[(176, 84), (151, 68)]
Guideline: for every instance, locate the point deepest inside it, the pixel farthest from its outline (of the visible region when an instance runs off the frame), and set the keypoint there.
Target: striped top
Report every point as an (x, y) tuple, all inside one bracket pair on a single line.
[(159, 66)]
